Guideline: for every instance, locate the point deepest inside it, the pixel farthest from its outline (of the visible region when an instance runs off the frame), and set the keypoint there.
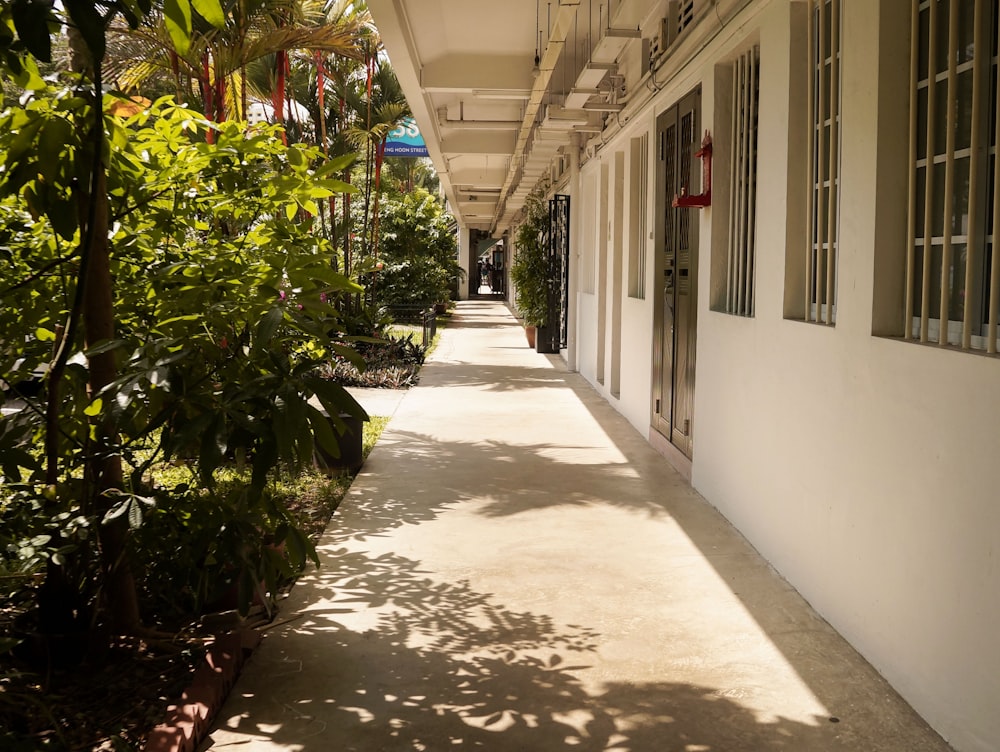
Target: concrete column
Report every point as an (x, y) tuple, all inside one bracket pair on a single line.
[(465, 260), (575, 225)]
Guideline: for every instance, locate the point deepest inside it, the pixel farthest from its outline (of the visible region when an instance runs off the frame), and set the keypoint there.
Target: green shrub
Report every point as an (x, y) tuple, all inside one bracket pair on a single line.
[(418, 252), (529, 271)]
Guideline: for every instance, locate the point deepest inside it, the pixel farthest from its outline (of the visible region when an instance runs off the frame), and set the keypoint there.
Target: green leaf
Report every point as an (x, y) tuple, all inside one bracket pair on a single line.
[(45, 335), (268, 325), (337, 164), (291, 210), (134, 514), (117, 510), (31, 19), (62, 215), (94, 408), (334, 398), (296, 551), (28, 77), (211, 11), (177, 16), (106, 346), (54, 135), (340, 186), (325, 438)]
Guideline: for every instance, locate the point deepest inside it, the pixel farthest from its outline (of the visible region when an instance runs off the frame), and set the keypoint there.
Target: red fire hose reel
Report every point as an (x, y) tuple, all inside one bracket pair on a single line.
[(703, 199)]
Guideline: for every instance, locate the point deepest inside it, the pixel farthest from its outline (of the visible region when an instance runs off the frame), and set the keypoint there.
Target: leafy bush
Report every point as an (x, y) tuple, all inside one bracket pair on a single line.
[(391, 362), (418, 251), (223, 310)]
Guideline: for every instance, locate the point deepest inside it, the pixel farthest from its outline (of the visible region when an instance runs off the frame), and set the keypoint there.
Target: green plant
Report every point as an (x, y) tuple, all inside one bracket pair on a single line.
[(529, 271), (419, 252), (391, 361), (222, 312)]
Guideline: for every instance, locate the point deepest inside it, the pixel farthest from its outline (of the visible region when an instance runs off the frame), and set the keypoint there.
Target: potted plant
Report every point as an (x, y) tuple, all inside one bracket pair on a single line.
[(529, 270)]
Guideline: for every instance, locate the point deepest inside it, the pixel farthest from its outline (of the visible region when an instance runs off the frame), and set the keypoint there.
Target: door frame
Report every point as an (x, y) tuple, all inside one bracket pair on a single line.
[(677, 433)]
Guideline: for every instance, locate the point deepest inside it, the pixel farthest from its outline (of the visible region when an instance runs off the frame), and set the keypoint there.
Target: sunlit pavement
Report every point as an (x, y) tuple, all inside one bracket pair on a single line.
[(517, 569)]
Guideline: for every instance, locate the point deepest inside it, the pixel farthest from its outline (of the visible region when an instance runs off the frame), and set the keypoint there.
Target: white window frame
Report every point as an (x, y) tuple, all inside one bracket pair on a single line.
[(741, 267), (974, 283), (823, 221)]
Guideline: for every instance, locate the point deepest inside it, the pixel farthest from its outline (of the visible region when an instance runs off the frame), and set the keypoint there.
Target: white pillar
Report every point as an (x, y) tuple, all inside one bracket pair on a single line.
[(465, 255), (575, 224)]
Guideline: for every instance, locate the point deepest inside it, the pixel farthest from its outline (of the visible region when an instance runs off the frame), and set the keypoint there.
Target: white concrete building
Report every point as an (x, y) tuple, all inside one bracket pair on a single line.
[(783, 345)]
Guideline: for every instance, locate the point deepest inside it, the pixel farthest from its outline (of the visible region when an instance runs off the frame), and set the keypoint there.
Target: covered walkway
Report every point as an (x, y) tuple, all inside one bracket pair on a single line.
[(517, 569)]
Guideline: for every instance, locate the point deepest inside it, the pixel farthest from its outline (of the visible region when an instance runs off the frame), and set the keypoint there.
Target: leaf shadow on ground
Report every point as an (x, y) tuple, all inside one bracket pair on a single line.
[(411, 662), (479, 676), (507, 479), (494, 377)]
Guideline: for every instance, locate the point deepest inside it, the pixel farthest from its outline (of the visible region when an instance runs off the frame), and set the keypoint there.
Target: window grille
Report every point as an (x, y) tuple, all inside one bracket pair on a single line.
[(639, 184), (953, 253), (823, 52), (741, 268)]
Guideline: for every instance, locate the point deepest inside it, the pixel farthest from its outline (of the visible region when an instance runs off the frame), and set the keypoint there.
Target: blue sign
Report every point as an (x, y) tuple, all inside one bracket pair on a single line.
[(405, 141)]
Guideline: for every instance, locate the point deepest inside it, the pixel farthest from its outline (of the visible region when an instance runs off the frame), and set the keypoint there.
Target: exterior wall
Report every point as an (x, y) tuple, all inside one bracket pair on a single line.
[(862, 467)]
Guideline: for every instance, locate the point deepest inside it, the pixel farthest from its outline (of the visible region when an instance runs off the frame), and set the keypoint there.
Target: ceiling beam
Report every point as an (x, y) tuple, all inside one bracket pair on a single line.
[(479, 142), (492, 76)]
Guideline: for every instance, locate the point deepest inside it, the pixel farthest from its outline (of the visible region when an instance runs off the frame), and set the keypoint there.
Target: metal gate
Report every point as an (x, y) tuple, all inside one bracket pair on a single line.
[(559, 270)]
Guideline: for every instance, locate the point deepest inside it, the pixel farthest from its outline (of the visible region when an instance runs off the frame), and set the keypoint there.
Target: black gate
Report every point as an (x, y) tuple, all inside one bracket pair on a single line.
[(559, 271)]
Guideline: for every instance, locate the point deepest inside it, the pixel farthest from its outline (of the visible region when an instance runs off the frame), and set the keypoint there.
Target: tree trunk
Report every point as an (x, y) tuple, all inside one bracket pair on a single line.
[(175, 67), (103, 466), (206, 94), (278, 95), (369, 153), (220, 97), (379, 158)]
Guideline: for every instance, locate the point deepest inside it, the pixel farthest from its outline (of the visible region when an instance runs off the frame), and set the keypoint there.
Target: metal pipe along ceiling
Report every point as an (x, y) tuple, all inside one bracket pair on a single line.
[(561, 25)]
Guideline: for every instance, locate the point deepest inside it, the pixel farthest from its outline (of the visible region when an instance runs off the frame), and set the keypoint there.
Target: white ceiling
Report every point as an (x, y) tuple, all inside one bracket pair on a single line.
[(492, 125)]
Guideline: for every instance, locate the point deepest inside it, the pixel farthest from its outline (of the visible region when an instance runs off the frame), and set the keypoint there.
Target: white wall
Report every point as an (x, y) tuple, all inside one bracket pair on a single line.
[(863, 468)]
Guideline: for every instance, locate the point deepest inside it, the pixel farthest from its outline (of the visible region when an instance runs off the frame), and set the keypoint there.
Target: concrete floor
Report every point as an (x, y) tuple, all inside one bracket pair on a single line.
[(517, 569)]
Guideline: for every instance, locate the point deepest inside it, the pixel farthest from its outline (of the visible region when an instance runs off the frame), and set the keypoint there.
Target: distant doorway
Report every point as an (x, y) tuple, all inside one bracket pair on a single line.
[(488, 278)]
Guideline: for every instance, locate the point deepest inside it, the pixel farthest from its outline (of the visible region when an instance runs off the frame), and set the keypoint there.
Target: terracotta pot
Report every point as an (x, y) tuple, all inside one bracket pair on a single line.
[(529, 331)]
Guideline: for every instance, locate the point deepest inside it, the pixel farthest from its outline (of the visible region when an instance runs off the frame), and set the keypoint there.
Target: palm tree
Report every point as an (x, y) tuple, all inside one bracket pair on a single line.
[(379, 108), (217, 59), (407, 174)]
